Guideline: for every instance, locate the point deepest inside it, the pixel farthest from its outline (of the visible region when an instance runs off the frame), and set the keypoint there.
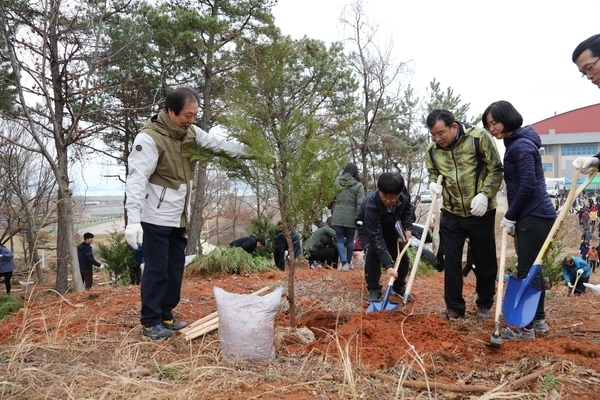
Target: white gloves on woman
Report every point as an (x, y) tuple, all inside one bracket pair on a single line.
[(586, 165), (479, 205), (508, 224)]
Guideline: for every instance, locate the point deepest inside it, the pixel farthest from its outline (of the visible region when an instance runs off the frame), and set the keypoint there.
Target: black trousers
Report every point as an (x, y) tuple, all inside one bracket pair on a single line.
[(7, 277), (164, 257), (373, 266), (324, 254), (135, 274), (530, 235), (87, 276), (279, 256), (480, 230)]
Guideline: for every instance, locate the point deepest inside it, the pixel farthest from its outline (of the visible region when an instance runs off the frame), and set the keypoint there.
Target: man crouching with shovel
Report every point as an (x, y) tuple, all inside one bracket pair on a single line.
[(575, 272), (376, 224)]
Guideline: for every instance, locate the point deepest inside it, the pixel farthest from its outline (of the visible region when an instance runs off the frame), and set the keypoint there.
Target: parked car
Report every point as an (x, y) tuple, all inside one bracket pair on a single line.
[(425, 196)]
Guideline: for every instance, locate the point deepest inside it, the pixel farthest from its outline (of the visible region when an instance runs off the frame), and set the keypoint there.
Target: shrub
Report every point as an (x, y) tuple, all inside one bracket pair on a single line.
[(8, 306), (231, 260), (117, 255)]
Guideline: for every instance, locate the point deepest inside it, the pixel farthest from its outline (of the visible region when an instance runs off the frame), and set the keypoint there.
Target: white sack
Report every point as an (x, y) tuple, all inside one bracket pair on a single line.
[(246, 324)]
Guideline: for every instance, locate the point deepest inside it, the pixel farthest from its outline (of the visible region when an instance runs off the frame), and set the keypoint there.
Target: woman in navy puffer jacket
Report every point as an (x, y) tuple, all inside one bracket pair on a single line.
[(6, 266), (530, 214)]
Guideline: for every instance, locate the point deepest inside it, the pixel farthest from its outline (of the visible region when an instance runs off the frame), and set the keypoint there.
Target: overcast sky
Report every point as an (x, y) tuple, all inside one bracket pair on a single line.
[(519, 51)]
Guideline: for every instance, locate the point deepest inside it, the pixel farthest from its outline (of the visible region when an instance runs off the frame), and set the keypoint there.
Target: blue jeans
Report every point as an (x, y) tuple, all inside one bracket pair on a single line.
[(345, 242)]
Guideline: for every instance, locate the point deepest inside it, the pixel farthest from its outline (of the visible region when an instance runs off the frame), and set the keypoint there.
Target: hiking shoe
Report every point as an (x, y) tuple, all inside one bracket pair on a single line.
[(174, 325), (345, 267), (351, 265), (540, 326), (401, 293), (374, 295), (483, 313), (517, 334), (449, 314), (316, 265), (156, 332)]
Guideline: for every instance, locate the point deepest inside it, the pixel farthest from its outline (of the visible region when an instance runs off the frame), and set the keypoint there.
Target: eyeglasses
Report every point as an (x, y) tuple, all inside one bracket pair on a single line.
[(491, 124), (392, 198), (589, 69)]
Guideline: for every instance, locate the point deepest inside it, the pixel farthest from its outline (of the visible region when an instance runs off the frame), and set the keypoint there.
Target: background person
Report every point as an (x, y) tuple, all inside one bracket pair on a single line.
[(135, 271), (85, 254), (281, 245), (468, 160), (158, 192), (569, 271), (376, 220), (248, 243), (347, 201), (321, 245), (7, 266), (530, 213), (592, 258)]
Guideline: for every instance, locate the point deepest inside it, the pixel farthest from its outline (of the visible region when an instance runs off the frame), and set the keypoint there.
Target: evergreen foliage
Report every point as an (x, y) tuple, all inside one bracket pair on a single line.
[(8, 306), (231, 260), (118, 257)]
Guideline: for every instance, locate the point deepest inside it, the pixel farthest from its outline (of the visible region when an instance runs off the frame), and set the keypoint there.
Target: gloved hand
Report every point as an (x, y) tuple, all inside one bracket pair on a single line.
[(479, 205), (508, 224), (435, 188), (580, 271), (586, 165), (570, 285), (134, 234), (593, 288), (391, 272)]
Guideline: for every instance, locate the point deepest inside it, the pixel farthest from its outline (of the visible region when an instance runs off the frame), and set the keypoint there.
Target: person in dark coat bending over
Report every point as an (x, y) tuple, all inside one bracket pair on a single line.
[(248, 243)]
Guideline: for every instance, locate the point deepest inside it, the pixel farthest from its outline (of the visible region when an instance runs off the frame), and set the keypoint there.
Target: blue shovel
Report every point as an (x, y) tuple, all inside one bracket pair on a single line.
[(521, 298), (385, 305)]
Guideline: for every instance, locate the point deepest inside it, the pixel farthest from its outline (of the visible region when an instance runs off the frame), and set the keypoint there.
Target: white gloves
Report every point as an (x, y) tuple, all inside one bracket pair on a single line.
[(586, 165), (134, 234), (580, 271), (570, 285), (435, 188), (479, 205), (509, 225)]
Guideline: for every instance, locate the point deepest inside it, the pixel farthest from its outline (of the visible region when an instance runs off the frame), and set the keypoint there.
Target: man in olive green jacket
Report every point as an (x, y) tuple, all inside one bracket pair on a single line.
[(468, 160)]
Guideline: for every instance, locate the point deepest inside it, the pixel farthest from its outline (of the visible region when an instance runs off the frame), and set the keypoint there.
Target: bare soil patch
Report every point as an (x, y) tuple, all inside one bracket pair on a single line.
[(88, 345)]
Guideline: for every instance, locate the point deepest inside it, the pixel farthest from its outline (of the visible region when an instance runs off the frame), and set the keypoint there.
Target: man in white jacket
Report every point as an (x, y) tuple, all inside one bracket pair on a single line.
[(158, 189)]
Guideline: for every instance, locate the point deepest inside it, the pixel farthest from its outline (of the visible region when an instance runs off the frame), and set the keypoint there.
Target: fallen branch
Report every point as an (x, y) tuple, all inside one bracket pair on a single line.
[(431, 385), (530, 377), (462, 388)]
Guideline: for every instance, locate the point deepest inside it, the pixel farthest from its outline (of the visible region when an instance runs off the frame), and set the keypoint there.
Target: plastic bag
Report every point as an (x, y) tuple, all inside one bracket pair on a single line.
[(246, 324)]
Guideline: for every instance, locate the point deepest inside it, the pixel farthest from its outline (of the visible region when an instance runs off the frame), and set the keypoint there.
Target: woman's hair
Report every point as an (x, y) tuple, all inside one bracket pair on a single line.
[(352, 169), (504, 112)]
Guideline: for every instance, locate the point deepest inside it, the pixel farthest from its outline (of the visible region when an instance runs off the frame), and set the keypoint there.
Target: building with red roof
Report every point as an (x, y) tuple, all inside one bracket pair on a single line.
[(567, 136)]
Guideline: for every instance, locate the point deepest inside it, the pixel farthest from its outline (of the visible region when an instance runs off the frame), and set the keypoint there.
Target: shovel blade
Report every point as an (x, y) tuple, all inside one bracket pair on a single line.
[(380, 306), (520, 303)]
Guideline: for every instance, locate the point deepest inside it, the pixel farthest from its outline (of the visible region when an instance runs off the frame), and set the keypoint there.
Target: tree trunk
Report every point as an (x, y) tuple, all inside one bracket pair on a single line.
[(66, 252), (197, 219)]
